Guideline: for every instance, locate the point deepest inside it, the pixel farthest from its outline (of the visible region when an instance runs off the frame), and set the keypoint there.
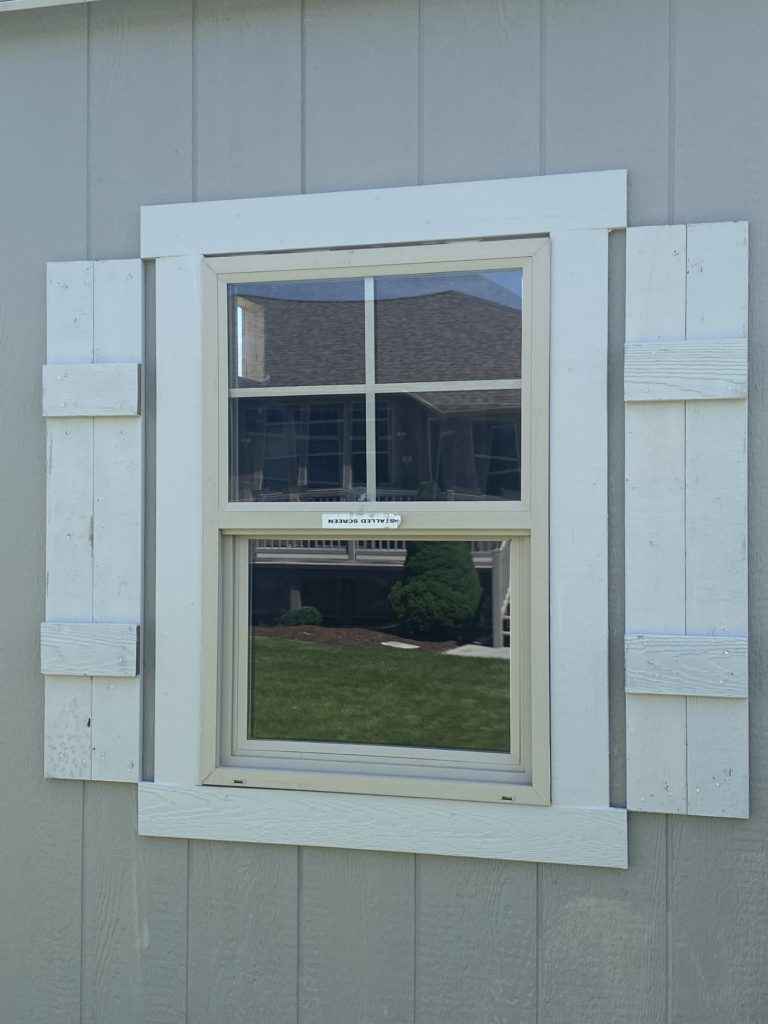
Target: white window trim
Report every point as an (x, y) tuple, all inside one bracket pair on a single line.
[(579, 826)]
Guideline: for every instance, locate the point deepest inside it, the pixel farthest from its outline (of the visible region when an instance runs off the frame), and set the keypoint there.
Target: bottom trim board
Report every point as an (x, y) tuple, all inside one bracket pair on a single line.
[(592, 836)]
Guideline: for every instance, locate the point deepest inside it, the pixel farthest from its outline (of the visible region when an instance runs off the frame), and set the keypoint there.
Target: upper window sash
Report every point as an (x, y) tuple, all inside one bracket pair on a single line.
[(529, 255)]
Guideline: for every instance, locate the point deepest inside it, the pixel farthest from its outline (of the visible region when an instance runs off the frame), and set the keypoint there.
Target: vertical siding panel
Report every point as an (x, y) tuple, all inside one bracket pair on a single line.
[(356, 953), (605, 104), (248, 59), (135, 918), (603, 945), (484, 121), (475, 941), (476, 920), (361, 93), (42, 217), (140, 129), (606, 95), (361, 119), (242, 934), (140, 116), (718, 896)]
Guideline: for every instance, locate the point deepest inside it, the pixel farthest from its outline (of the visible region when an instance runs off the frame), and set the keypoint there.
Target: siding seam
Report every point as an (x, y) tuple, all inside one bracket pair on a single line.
[(542, 106), (303, 96)]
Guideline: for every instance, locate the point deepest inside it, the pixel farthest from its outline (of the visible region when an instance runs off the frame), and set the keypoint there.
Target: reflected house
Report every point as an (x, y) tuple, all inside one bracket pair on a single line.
[(349, 581), (449, 445)]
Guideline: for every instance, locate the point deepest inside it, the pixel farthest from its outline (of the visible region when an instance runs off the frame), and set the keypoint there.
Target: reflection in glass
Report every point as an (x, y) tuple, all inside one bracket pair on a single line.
[(294, 333), (380, 642), (448, 446), (462, 326), (297, 449)]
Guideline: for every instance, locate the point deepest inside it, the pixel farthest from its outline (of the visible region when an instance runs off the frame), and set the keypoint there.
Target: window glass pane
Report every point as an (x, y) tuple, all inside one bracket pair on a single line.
[(380, 642), (448, 446), (463, 326), (297, 449), (294, 333)]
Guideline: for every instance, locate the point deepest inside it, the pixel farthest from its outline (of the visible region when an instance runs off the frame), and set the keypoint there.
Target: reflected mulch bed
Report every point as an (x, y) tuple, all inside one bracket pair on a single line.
[(347, 636)]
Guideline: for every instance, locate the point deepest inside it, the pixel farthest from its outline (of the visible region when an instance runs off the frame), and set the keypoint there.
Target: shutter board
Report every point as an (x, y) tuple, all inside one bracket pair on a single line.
[(686, 526), (94, 520)]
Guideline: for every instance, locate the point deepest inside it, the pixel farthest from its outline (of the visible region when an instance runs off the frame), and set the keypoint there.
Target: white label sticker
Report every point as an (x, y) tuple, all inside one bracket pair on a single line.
[(362, 521)]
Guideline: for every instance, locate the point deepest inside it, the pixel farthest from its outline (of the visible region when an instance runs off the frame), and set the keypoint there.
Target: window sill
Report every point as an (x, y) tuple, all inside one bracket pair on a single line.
[(591, 836)]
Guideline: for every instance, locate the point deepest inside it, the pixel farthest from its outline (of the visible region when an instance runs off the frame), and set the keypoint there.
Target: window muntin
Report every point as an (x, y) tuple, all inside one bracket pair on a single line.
[(413, 343), (522, 773)]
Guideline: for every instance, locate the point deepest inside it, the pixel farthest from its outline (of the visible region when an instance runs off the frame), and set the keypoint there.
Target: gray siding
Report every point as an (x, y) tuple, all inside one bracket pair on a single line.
[(123, 102)]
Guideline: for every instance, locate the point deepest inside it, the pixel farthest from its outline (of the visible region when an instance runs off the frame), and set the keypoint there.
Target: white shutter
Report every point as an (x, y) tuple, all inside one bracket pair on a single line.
[(686, 519), (93, 596)]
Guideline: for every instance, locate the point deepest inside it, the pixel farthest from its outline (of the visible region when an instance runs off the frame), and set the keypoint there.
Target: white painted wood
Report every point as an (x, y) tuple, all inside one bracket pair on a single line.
[(179, 568), (655, 307), (94, 537), (579, 690), (116, 732), (89, 649), (572, 835), (25, 5), (424, 213), (718, 757), (578, 518), (655, 518), (656, 753), (686, 546), (685, 370), (696, 666), (716, 522), (67, 724), (69, 312), (718, 280), (118, 311), (91, 390)]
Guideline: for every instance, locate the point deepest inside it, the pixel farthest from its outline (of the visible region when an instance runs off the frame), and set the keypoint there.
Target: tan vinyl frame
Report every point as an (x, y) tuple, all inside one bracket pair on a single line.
[(229, 757)]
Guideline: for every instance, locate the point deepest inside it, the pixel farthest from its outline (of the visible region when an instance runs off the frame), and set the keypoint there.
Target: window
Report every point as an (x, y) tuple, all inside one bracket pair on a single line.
[(410, 381), (333, 448)]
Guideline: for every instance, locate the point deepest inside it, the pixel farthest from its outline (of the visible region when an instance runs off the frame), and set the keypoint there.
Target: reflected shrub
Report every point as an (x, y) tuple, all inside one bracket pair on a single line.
[(306, 616), (439, 593)]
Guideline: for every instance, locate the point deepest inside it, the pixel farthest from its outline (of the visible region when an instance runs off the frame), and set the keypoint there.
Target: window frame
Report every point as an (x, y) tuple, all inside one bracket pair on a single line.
[(579, 826), (523, 775)]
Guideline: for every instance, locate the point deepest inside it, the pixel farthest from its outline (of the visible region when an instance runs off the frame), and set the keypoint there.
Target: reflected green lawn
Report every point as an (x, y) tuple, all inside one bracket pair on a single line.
[(307, 691)]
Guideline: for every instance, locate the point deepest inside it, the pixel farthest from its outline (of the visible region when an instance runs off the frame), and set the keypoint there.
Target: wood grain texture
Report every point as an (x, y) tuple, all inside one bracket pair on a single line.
[(43, 56), (356, 963), (578, 505), (579, 98), (674, 371), (476, 941), (697, 666), (718, 899), (89, 648), (248, 147), (576, 835), (706, 529), (116, 730), (141, 116), (94, 390), (656, 754), (499, 84), (514, 206), (135, 916), (602, 937), (375, 46), (243, 936)]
